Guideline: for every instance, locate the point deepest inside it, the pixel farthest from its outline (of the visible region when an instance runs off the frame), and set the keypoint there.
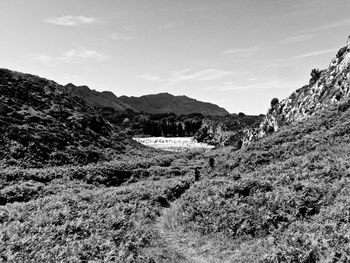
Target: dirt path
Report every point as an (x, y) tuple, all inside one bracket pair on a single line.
[(175, 245), (187, 245)]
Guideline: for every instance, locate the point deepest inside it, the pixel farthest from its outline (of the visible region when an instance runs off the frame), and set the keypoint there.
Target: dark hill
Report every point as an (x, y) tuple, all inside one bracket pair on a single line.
[(167, 103), (42, 123), (99, 99), (154, 104)]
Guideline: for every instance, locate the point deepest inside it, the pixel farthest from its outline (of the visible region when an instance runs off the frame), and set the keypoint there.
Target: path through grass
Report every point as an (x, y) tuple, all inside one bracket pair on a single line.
[(175, 245)]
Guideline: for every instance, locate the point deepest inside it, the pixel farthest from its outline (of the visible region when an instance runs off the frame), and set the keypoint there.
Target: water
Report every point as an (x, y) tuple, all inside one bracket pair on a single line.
[(175, 144)]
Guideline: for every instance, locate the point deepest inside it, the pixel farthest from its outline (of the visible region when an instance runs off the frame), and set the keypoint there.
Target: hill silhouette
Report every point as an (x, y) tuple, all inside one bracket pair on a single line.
[(167, 103), (162, 103), (99, 99)]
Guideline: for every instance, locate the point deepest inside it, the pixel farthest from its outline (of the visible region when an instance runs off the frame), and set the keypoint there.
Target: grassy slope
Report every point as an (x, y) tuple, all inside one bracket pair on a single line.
[(290, 190), (41, 123), (284, 198), (101, 212)]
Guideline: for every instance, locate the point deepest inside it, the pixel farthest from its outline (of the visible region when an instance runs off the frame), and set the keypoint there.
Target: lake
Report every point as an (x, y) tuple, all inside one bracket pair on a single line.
[(174, 144)]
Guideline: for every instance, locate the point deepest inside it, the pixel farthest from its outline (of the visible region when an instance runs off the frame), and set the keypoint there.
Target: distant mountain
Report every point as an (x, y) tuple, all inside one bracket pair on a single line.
[(166, 103), (98, 99), (42, 123), (154, 104)]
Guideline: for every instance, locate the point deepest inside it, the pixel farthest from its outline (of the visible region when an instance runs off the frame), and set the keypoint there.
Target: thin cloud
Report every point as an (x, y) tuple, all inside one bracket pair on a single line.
[(273, 84), (119, 36), (278, 61), (239, 51), (239, 54), (79, 55), (298, 39), (232, 86), (129, 28), (149, 77), (342, 23), (188, 75), (170, 25), (315, 53), (43, 58), (203, 75), (71, 56), (72, 21)]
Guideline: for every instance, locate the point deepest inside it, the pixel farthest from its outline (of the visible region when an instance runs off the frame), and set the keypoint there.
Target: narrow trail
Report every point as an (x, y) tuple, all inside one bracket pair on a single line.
[(188, 246), (176, 245), (179, 246)]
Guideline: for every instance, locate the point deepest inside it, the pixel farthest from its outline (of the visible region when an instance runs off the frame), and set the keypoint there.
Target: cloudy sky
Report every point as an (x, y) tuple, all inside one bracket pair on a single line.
[(238, 54)]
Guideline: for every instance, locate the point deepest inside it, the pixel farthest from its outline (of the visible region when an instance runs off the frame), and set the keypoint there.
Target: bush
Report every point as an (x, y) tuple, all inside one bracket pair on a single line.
[(274, 102), (315, 75)]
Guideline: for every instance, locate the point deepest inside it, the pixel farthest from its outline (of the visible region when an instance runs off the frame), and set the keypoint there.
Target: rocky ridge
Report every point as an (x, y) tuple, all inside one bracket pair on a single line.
[(326, 87)]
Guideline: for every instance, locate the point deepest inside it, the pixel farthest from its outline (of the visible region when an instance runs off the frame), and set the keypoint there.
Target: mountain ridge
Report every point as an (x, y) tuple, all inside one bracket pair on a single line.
[(152, 103)]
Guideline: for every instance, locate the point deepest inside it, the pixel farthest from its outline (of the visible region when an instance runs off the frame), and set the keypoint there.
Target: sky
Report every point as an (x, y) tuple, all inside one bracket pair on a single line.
[(238, 54)]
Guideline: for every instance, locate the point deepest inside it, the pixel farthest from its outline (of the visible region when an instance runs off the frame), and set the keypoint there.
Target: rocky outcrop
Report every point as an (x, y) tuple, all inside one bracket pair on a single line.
[(326, 87), (228, 130)]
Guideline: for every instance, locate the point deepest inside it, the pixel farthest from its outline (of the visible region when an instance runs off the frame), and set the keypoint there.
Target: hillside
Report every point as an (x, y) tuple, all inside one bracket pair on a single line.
[(282, 198), (167, 103), (41, 123), (98, 99), (154, 104), (325, 88)]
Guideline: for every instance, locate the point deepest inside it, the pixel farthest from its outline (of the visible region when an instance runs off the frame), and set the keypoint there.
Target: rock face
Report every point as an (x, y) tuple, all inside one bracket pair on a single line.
[(42, 123), (227, 130), (325, 88)]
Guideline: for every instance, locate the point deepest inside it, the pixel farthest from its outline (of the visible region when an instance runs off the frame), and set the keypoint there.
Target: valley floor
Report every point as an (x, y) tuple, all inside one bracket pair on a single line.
[(284, 198)]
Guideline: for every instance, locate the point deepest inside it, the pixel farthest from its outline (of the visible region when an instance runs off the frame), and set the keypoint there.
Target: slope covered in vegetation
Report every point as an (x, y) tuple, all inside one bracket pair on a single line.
[(99, 212), (168, 103), (41, 123), (161, 103), (282, 198), (289, 191)]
